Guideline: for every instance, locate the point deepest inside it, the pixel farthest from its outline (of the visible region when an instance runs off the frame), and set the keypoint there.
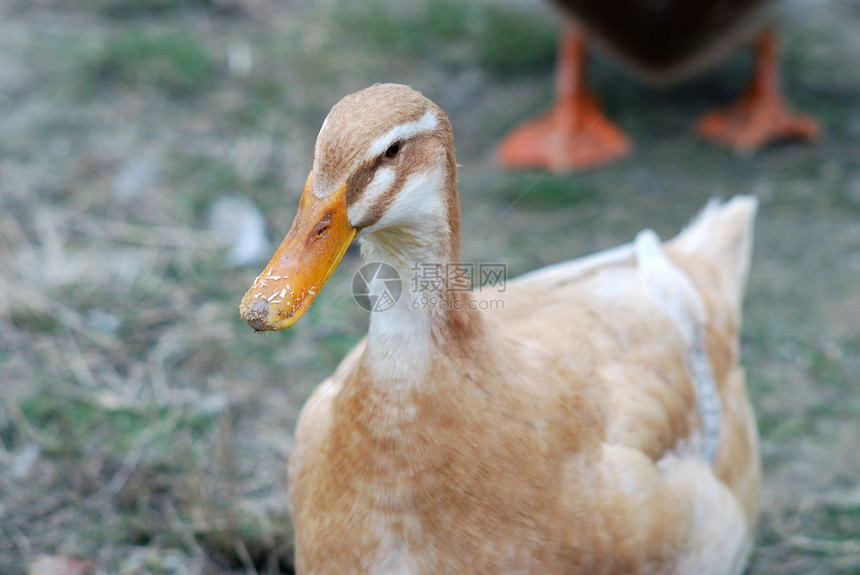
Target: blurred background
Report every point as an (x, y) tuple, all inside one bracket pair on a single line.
[(152, 153)]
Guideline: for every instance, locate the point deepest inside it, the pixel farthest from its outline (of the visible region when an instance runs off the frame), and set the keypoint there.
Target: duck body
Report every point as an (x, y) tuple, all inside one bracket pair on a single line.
[(590, 418), (559, 437), (666, 39)]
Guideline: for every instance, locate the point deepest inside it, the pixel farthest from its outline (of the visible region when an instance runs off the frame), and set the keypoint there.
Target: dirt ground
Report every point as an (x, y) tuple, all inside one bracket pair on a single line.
[(144, 428)]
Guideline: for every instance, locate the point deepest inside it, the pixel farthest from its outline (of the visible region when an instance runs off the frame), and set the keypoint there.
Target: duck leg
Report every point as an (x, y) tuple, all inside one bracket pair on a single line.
[(575, 134), (760, 115)]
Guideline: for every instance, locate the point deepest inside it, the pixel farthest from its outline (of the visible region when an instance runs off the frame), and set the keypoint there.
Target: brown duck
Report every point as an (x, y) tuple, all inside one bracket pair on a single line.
[(664, 41)]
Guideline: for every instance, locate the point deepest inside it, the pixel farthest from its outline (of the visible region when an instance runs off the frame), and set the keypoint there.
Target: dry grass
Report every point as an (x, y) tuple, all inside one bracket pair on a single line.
[(144, 427)]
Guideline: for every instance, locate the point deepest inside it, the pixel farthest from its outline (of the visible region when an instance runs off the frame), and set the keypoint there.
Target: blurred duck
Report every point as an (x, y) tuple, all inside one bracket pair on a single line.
[(665, 41), (596, 422)]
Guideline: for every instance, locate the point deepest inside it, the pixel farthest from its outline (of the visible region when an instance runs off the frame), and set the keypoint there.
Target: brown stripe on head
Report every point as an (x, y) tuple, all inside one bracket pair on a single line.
[(355, 123)]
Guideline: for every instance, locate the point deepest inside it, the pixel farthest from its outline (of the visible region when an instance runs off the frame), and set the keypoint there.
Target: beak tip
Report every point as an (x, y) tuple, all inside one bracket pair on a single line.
[(256, 315)]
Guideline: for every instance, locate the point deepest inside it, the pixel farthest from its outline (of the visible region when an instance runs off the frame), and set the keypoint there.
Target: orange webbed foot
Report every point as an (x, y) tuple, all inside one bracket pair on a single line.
[(575, 135), (751, 123), (760, 116)]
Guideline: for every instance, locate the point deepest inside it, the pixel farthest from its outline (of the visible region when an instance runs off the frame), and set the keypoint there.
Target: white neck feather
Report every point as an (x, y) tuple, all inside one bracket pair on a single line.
[(413, 234)]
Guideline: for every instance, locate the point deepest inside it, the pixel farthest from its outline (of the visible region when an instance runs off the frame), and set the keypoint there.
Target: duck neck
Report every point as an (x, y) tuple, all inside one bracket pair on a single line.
[(433, 316), (412, 371), (414, 366)]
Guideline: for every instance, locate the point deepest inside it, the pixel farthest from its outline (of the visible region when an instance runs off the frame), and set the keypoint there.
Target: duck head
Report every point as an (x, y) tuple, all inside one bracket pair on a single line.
[(383, 170)]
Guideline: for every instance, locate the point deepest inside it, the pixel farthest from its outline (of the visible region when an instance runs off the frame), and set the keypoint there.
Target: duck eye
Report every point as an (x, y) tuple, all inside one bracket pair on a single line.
[(392, 150)]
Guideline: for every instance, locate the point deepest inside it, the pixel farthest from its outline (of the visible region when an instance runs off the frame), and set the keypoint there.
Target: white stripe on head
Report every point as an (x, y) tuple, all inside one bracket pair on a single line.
[(418, 204), (322, 127), (426, 123), (320, 185), (319, 134), (380, 183)]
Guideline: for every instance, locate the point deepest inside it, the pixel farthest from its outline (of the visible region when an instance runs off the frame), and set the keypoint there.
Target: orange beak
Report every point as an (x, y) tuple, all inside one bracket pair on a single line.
[(314, 246)]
